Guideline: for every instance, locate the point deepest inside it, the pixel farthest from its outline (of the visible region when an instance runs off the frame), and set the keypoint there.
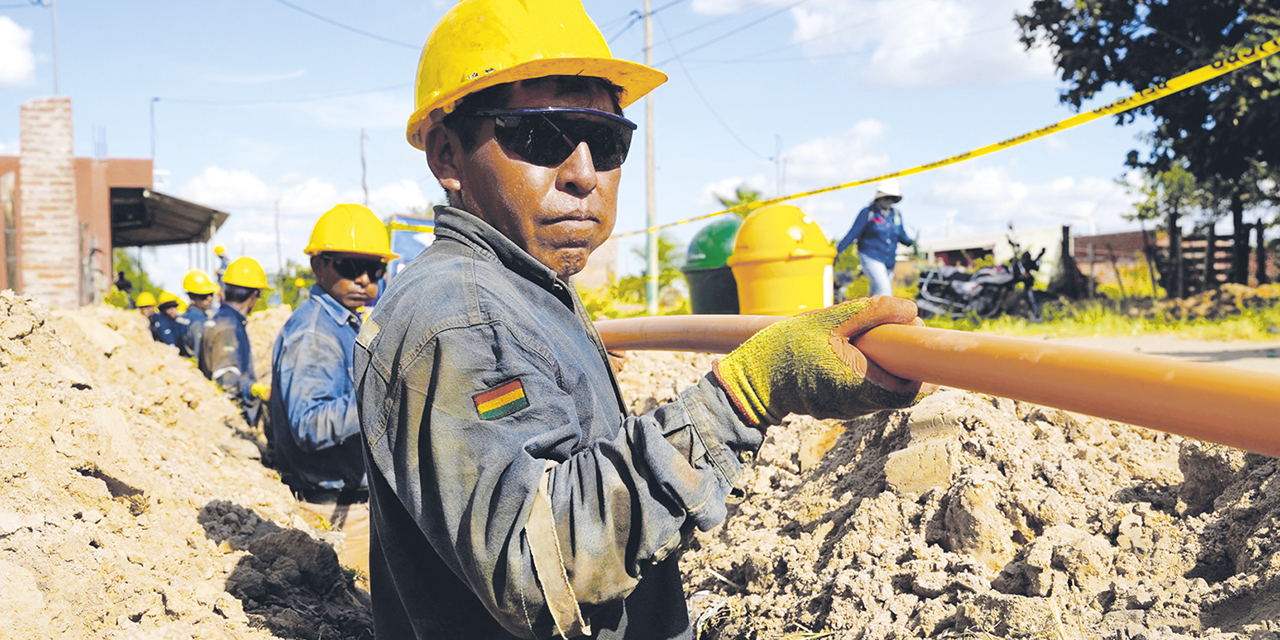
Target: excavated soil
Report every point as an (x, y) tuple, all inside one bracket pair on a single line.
[(135, 505)]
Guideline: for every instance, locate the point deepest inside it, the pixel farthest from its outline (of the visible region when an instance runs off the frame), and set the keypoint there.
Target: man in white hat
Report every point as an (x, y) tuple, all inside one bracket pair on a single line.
[(878, 231)]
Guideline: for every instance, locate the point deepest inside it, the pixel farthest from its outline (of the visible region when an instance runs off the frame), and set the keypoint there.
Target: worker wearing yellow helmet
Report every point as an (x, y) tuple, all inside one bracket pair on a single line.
[(313, 420), (225, 355), (167, 325), (511, 494), (200, 290), (145, 304)]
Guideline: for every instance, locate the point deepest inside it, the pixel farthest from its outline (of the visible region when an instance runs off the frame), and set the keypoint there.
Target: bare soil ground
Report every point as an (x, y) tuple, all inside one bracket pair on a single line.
[(135, 505)]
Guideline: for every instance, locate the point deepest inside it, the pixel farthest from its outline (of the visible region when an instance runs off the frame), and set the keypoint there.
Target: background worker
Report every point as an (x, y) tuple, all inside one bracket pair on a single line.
[(224, 262), (200, 290), (167, 326), (146, 305), (878, 230), (511, 495), (314, 418), (225, 353)]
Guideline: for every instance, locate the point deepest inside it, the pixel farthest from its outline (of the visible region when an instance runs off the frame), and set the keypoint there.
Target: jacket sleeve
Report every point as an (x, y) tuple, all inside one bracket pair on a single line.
[(542, 527), (310, 371), (855, 231)]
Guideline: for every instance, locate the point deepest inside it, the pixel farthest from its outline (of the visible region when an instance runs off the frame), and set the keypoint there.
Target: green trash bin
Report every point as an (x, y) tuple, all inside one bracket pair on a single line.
[(712, 288)]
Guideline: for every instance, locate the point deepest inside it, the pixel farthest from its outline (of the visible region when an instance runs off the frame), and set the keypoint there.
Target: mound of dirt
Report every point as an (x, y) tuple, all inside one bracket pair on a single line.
[(971, 516), (136, 506), (134, 502)]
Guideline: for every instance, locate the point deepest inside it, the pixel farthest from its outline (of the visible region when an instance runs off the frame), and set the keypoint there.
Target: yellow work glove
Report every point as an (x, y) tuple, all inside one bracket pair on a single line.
[(806, 364), (261, 390)]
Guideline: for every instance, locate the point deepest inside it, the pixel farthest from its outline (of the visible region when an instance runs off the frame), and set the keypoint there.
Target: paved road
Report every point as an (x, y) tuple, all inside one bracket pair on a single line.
[(1258, 356)]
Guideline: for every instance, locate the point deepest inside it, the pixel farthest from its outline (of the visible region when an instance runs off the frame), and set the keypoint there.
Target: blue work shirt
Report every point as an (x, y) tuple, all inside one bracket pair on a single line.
[(506, 479), (313, 409), (225, 358), (196, 319), (877, 234), (170, 331)]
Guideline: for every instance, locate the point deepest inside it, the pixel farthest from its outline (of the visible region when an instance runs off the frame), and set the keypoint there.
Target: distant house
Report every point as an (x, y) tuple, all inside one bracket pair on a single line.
[(62, 215)]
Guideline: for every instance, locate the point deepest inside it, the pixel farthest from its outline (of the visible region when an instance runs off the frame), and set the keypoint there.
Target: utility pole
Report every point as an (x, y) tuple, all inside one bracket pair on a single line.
[(777, 165), (279, 254), (364, 170), (651, 217)]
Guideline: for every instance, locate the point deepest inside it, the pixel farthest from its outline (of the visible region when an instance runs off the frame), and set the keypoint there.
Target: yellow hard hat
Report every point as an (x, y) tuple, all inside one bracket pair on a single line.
[(299, 283), (198, 282), (482, 43), (145, 299), (350, 228), (245, 272), (219, 250)]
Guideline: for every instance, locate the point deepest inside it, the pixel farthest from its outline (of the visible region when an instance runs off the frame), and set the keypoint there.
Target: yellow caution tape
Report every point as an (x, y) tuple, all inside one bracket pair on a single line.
[(400, 226), (1170, 87)]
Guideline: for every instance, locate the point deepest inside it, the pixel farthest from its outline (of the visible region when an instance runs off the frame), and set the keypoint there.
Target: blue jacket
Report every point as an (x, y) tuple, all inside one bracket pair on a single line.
[(505, 477), (196, 319), (170, 331), (226, 359), (877, 234), (313, 409)]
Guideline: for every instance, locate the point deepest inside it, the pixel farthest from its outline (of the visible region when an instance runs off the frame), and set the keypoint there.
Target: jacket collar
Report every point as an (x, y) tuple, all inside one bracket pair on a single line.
[(339, 313), (466, 228)]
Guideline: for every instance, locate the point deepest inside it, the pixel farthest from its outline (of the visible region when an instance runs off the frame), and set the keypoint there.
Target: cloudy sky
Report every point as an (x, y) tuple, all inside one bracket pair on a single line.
[(260, 104)]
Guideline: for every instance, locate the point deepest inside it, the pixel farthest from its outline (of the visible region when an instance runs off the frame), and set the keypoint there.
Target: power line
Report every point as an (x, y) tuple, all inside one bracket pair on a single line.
[(708, 103), (24, 5), (711, 22), (348, 27), (735, 31), (637, 16), (250, 103)]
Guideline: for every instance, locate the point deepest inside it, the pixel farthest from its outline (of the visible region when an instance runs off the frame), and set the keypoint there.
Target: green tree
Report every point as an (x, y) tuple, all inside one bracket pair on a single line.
[(1169, 195), (135, 274), (670, 258), (1227, 130), (742, 195)]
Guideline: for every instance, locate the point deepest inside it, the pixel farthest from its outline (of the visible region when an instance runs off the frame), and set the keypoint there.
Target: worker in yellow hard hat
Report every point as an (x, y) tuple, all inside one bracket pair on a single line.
[(225, 354), (200, 291), (146, 304), (166, 327), (511, 495), (220, 252), (313, 411)]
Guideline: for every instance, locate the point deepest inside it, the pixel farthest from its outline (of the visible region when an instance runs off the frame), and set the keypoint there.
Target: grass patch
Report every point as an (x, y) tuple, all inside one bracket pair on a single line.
[(1100, 319)]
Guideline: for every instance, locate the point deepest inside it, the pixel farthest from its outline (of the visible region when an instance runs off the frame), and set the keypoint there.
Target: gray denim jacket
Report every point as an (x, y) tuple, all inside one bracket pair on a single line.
[(511, 495)]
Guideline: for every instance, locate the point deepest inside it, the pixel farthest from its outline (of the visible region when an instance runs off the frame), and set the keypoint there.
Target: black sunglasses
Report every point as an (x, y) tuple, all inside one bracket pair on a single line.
[(547, 136), (351, 268)]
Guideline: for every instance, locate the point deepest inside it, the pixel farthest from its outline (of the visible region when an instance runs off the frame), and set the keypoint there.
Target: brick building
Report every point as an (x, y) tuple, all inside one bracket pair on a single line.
[(63, 215)]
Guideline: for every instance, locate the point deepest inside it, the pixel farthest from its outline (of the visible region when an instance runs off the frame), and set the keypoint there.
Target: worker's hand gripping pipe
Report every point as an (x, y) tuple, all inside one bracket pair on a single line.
[(1209, 402)]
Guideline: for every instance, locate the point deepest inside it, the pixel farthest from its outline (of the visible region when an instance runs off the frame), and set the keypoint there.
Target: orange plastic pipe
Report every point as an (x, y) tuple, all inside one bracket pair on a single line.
[(1209, 402)]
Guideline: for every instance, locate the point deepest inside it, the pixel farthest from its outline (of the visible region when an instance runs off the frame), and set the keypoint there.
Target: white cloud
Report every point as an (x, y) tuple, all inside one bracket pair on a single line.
[(727, 187), (912, 43), (301, 200), (17, 62), (370, 111), (986, 199)]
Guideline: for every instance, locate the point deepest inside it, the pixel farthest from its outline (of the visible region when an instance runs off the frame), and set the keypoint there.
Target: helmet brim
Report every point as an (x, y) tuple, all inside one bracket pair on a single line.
[(636, 80)]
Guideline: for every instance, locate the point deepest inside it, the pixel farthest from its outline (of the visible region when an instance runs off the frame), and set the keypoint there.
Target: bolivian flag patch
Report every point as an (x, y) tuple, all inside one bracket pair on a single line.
[(501, 401)]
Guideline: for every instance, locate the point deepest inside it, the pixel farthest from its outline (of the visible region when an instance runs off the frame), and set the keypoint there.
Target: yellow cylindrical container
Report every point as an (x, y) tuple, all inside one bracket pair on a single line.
[(782, 262)]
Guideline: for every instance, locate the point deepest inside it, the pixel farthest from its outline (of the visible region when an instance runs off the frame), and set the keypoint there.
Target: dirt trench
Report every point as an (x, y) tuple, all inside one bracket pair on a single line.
[(135, 505)]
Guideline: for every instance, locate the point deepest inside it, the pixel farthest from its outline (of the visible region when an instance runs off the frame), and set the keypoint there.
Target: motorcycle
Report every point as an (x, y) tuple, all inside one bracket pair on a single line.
[(987, 293)]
